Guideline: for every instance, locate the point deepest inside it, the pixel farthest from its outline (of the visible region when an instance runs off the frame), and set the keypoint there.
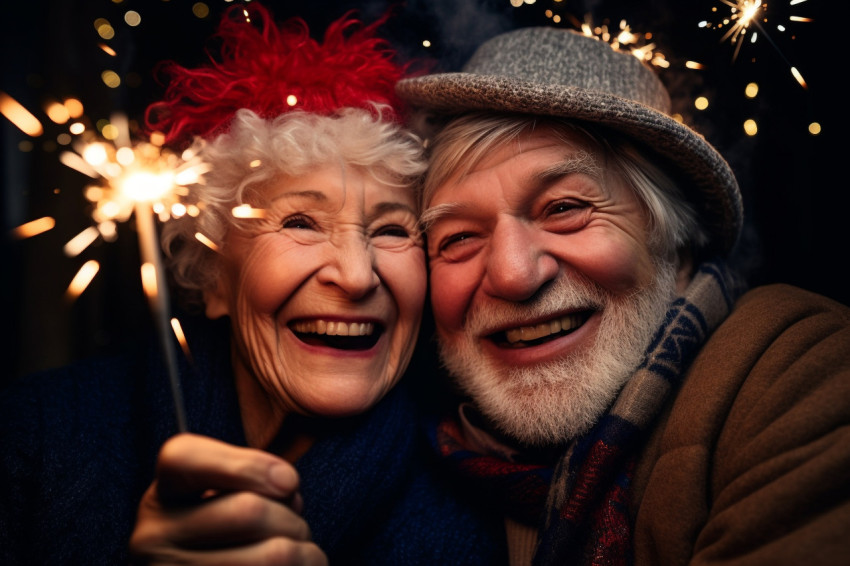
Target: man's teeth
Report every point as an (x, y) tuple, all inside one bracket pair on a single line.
[(334, 328), (528, 333)]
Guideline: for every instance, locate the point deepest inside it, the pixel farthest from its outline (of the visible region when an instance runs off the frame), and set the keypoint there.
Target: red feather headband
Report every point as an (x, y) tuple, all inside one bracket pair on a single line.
[(272, 70)]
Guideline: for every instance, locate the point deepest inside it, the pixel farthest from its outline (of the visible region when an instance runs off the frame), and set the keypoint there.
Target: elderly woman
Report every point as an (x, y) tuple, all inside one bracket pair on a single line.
[(303, 441)]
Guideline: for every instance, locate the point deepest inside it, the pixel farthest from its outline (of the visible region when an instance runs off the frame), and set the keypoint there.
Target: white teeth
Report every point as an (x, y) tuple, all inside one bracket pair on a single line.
[(527, 333), (335, 328)]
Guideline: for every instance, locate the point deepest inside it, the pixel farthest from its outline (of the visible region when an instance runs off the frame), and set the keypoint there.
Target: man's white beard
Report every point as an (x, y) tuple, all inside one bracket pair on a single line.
[(552, 402)]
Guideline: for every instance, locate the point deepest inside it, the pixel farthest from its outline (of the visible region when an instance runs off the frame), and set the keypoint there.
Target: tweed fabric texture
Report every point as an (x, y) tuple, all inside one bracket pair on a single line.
[(557, 72)]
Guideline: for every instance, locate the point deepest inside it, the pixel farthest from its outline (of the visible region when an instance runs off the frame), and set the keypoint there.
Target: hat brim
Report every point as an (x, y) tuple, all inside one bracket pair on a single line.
[(714, 188)]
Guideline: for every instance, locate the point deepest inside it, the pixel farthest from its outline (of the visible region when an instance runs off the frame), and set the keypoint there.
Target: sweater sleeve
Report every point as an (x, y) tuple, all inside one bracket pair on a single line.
[(752, 465)]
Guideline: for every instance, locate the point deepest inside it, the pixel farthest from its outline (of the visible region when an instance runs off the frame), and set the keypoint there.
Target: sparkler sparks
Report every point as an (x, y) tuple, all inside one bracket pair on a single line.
[(745, 20), (142, 179), (130, 174), (139, 179), (623, 39)]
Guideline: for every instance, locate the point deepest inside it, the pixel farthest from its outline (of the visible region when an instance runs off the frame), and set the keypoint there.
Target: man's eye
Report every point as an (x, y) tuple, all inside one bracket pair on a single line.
[(298, 222), (563, 206), (457, 246), (454, 240)]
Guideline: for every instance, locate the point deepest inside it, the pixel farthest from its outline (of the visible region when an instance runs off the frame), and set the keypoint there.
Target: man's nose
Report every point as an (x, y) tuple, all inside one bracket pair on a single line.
[(518, 264), (350, 265)]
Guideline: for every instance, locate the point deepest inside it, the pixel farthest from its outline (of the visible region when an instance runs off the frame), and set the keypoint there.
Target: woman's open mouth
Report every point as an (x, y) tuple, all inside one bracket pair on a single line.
[(337, 334)]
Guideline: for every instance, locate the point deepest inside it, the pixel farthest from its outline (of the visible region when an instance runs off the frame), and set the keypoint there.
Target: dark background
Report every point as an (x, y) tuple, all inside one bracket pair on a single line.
[(793, 182)]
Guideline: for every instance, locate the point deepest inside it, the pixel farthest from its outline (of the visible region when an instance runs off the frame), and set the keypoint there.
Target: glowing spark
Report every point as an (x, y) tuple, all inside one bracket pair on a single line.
[(81, 241), (15, 112), (246, 211), (106, 49), (57, 112), (747, 13), (799, 77), (131, 173), (77, 163), (34, 227), (743, 12), (206, 241), (623, 39), (82, 279), (181, 337), (74, 107), (149, 280)]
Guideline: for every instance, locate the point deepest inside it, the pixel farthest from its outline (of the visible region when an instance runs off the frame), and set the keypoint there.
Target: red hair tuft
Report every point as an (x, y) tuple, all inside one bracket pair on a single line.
[(263, 65)]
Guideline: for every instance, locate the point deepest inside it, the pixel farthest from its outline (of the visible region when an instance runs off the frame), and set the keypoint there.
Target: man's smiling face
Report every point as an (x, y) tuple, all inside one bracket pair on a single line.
[(544, 290)]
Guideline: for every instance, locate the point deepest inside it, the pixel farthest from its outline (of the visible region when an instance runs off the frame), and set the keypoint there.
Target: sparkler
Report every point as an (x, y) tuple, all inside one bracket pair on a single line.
[(141, 180), (747, 14), (623, 39)]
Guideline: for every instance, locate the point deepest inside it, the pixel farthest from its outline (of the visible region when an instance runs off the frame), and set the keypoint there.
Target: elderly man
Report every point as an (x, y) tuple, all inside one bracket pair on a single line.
[(626, 403)]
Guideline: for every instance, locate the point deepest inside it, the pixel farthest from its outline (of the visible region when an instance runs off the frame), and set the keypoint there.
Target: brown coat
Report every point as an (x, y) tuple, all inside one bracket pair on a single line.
[(751, 463)]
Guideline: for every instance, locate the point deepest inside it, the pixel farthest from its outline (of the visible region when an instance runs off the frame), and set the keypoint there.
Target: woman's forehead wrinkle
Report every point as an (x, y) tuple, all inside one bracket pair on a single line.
[(306, 193)]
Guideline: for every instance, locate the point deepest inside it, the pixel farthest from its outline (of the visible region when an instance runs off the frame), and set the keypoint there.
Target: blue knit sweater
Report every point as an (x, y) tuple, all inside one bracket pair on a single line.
[(79, 445)]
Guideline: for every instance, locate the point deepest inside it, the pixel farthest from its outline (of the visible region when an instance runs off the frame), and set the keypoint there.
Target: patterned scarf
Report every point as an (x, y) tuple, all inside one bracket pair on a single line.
[(585, 516)]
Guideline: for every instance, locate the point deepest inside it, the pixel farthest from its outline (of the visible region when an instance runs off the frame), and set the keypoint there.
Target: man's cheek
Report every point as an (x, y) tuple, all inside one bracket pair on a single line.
[(446, 301)]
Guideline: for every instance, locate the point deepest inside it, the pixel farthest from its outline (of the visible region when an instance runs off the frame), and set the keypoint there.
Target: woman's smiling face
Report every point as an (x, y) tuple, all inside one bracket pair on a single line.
[(325, 293)]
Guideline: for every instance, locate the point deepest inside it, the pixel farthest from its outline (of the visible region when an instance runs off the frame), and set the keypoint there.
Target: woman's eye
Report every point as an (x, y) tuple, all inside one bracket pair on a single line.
[(298, 222), (393, 230)]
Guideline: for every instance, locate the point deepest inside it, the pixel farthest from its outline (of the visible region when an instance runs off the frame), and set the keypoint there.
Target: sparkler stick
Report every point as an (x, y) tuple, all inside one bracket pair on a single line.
[(137, 179), (154, 283)]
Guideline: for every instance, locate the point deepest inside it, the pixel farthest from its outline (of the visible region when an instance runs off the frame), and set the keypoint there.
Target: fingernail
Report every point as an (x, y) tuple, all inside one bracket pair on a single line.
[(283, 477)]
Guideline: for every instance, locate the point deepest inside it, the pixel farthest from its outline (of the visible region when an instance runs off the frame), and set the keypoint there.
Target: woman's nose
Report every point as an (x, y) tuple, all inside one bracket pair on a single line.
[(350, 265), (518, 264)]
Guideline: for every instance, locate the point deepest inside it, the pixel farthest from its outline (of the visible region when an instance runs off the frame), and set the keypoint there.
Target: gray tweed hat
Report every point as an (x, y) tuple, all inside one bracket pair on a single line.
[(550, 71)]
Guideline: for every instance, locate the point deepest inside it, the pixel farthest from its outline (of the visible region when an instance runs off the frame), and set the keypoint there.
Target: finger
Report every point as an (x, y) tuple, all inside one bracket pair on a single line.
[(189, 465), (230, 520), (277, 551), (236, 518)]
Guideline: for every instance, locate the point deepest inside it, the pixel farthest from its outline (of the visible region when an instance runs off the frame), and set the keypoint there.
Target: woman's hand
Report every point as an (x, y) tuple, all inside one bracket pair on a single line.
[(215, 503)]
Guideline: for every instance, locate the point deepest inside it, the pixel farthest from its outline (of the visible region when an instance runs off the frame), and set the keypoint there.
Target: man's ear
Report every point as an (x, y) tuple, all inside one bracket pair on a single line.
[(684, 274), (216, 304)]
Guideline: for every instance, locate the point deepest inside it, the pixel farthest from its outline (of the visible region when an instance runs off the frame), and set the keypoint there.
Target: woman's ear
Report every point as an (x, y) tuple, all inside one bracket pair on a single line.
[(216, 304)]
